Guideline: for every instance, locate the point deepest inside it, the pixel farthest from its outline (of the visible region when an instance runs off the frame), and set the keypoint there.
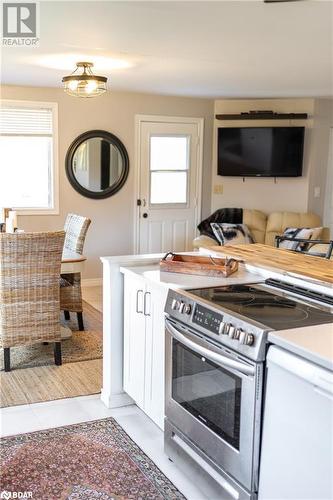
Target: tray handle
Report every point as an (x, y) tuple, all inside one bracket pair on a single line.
[(228, 262), (167, 255)]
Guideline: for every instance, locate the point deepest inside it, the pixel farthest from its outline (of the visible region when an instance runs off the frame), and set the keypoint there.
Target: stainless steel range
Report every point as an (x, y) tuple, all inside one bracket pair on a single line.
[(216, 342)]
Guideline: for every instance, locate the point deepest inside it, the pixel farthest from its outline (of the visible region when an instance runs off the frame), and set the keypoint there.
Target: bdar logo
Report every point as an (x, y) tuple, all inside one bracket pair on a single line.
[(6, 494)]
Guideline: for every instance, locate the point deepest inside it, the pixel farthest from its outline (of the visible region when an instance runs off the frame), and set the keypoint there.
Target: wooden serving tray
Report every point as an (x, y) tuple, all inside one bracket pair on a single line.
[(198, 265)]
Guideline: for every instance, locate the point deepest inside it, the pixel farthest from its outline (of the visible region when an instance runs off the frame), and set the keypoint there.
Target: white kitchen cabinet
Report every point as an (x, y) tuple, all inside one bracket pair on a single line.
[(134, 338), (144, 345), (154, 383)]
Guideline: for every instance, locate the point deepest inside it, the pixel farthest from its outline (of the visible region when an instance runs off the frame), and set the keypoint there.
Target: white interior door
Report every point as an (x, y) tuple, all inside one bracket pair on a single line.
[(328, 215), (169, 198)]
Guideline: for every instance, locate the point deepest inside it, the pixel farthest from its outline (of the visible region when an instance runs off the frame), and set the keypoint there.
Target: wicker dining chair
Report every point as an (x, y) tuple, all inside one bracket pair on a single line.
[(30, 266), (76, 228)]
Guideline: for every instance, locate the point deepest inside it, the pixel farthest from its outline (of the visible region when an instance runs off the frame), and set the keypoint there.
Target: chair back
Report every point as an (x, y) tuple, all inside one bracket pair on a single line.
[(76, 228), (30, 266)]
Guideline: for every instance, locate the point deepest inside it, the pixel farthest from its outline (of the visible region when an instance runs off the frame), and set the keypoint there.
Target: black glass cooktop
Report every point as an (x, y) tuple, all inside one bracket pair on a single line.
[(255, 302)]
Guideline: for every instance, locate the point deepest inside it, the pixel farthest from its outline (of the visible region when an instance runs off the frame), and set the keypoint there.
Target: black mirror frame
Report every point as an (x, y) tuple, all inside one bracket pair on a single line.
[(112, 139)]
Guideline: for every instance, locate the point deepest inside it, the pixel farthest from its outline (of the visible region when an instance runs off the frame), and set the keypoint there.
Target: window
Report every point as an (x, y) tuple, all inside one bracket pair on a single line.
[(28, 148), (168, 169)]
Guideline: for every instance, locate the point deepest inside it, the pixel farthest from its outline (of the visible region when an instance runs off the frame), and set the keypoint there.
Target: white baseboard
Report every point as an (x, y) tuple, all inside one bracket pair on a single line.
[(92, 282), (116, 400)]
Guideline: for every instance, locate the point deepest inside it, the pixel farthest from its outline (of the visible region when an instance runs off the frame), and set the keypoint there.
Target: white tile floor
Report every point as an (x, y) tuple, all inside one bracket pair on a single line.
[(38, 416)]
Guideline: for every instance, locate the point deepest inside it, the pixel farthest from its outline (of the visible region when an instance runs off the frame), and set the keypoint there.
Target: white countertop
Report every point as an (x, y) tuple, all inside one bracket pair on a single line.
[(186, 281), (314, 343)]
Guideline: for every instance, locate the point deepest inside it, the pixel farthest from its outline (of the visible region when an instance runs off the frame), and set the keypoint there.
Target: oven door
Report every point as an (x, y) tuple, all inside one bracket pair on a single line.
[(214, 398)]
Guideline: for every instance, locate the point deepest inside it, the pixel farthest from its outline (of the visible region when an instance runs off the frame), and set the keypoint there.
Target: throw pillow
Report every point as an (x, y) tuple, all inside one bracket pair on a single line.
[(232, 234), (307, 233)]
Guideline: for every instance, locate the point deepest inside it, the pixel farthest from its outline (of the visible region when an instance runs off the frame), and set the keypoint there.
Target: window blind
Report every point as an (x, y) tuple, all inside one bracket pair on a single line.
[(25, 120)]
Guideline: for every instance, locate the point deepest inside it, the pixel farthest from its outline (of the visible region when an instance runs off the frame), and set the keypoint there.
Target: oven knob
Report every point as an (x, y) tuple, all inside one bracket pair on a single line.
[(249, 339), (226, 328), (187, 309), (182, 307), (242, 336), (175, 304), (231, 331), (221, 327), (237, 333)]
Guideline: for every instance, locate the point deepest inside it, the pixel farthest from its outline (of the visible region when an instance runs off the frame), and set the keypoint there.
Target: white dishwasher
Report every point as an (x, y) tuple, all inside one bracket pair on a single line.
[(297, 440)]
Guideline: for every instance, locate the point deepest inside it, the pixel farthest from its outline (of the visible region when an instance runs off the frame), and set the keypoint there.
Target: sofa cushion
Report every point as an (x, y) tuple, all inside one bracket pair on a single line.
[(203, 241), (278, 222), (256, 221), (232, 234), (321, 248)]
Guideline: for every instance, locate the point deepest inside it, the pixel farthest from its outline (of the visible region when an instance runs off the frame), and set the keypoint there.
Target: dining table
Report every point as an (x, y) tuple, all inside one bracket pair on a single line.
[(71, 262)]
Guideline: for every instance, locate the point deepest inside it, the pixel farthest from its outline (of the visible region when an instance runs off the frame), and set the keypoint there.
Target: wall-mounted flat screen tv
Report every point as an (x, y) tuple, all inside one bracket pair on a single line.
[(260, 151)]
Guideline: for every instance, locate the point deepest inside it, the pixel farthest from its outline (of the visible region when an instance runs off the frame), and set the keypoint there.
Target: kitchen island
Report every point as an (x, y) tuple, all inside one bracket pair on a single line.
[(253, 269), (285, 262), (139, 359), (146, 267)]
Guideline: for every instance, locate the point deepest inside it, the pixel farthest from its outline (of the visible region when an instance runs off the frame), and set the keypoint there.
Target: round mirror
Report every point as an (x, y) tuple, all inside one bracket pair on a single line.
[(97, 164)]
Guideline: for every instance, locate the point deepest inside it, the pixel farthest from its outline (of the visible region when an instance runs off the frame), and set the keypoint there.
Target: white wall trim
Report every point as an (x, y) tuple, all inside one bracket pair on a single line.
[(139, 119), (328, 201), (92, 282)]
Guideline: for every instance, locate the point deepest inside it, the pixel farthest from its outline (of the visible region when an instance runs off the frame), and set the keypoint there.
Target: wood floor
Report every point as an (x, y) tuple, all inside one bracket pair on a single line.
[(47, 383), (94, 296)]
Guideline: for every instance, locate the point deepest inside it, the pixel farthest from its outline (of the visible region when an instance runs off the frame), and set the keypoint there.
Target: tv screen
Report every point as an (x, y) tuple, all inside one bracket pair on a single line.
[(260, 151)]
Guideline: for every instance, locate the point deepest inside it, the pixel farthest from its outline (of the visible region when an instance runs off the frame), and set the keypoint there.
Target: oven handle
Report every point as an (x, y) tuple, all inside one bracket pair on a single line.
[(211, 355)]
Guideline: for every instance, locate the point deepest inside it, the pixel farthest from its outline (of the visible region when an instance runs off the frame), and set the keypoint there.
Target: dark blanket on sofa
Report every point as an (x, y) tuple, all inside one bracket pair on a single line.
[(222, 215)]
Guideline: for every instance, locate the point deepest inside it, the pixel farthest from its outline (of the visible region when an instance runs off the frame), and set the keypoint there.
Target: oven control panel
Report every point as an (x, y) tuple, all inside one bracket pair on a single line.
[(207, 318), (228, 329)]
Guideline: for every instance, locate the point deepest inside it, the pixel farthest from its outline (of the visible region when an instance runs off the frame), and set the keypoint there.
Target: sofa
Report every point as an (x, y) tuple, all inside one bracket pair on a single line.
[(265, 227)]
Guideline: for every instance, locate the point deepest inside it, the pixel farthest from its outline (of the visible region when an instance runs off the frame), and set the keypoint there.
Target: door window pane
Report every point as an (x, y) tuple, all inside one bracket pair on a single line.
[(168, 153), (168, 187)]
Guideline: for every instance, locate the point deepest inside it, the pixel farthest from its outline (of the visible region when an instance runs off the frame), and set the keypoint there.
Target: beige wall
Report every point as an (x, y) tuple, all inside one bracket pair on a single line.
[(322, 122), (264, 194), (111, 232)]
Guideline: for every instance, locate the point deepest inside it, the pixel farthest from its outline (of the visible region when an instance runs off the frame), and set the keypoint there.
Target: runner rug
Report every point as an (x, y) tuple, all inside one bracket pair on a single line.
[(87, 461)]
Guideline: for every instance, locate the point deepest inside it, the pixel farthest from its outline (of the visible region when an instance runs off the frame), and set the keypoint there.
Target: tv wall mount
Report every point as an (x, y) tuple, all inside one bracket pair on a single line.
[(262, 115)]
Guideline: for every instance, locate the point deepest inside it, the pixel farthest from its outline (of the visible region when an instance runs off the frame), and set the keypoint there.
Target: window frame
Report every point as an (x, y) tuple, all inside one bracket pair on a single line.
[(53, 209)]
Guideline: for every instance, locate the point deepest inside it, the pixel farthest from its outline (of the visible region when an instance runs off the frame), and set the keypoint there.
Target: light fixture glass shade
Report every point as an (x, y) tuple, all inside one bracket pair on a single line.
[(85, 84)]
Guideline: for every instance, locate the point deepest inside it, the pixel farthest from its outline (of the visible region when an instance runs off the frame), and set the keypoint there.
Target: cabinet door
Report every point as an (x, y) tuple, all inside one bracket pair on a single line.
[(154, 387), (134, 338)]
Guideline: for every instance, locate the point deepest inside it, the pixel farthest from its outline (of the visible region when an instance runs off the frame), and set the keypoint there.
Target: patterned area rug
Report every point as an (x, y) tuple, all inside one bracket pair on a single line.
[(88, 461), (82, 346)]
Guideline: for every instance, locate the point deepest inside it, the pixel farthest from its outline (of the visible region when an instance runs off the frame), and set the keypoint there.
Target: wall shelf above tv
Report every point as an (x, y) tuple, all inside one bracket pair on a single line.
[(262, 116)]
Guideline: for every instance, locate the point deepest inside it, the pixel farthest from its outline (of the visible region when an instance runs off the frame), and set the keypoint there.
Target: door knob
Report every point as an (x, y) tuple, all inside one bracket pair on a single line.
[(145, 215)]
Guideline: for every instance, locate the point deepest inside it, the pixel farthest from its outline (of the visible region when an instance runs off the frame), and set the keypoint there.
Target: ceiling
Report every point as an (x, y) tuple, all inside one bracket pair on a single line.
[(210, 49)]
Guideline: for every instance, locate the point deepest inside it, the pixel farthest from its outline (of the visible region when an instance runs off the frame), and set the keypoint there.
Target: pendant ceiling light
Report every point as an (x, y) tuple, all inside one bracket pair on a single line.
[(84, 84)]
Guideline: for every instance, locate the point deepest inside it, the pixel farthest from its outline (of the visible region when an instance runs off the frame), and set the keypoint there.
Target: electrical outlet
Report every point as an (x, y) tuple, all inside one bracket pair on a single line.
[(317, 192), (218, 188)]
